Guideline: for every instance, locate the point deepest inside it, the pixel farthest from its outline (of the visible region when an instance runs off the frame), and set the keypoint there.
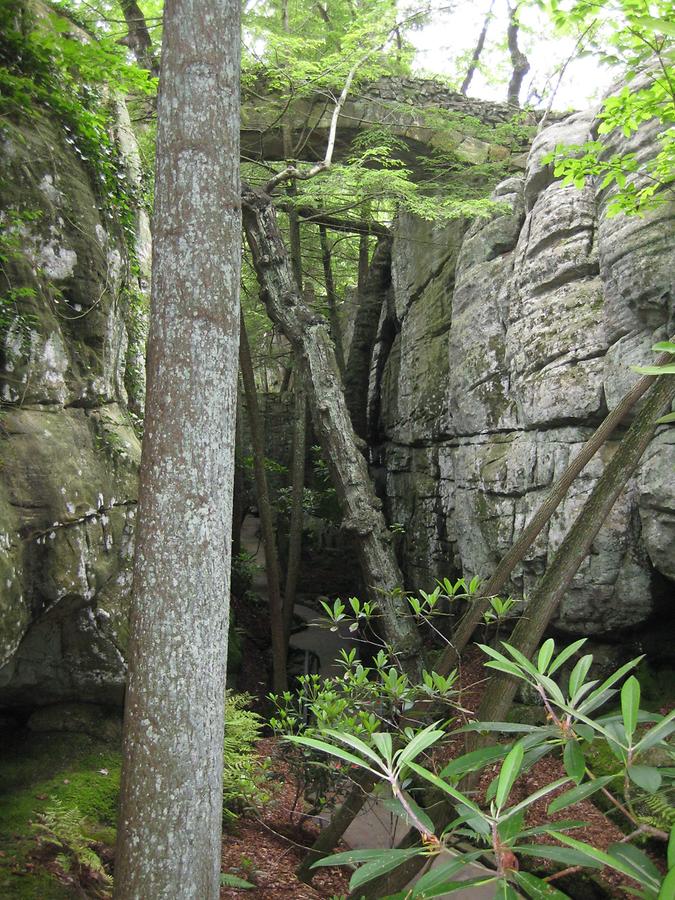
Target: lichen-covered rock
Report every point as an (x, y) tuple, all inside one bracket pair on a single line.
[(544, 309), (69, 451)]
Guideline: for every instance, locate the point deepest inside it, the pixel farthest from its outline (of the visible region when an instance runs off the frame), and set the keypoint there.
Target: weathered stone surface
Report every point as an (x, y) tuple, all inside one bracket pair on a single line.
[(81, 718), (543, 311), (70, 454)]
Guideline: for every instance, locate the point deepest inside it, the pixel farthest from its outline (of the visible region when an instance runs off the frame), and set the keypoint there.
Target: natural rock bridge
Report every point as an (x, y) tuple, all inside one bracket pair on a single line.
[(423, 115)]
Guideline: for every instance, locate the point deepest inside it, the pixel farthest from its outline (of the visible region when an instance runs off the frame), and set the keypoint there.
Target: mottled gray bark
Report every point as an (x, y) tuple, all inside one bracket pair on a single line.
[(309, 337), (138, 37), (369, 300), (171, 804)]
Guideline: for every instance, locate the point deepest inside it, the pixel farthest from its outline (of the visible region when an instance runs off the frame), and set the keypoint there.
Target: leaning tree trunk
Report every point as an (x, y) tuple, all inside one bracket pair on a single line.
[(473, 616), (277, 629), (369, 300), (171, 799), (544, 600), (527, 634), (310, 339)]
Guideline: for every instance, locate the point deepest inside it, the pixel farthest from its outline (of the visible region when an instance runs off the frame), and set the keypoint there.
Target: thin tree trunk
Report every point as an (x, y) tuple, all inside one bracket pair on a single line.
[(309, 337), (238, 508), (477, 51), (544, 600), (331, 299), (297, 508), (519, 62), (278, 632), (364, 250), (473, 616), (169, 834), (357, 371)]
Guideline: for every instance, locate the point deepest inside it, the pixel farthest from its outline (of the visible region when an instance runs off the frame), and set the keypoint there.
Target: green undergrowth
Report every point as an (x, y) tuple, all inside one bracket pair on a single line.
[(36, 769)]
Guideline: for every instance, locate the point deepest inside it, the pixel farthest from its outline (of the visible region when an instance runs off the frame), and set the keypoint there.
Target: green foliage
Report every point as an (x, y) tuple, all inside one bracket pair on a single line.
[(243, 769), (643, 47), (64, 828), (51, 65), (572, 726)]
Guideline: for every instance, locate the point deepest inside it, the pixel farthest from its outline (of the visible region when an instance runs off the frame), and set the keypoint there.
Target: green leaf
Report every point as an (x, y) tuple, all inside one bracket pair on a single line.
[(659, 732), (664, 346), (578, 674), (666, 369), (667, 891), (449, 887), (506, 727), (537, 888), (382, 741), (331, 751), (228, 880), (509, 772), (595, 855), (646, 777), (348, 858), (388, 860), (505, 891), (474, 760), (671, 849), (509, 668), (545, 655), (447, 789), (577, 794), (630, 704), (573, 759), (563, 855), (665, 420), (608, 683), (418, 744), (537, 795), (396, 807), (646, 871), (353, 742), (437, 876), (565, 654), (661, 25)]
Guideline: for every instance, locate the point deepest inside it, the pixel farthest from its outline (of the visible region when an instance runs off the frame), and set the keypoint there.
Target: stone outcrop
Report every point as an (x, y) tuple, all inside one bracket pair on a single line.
[(70, 369), (497, 356)]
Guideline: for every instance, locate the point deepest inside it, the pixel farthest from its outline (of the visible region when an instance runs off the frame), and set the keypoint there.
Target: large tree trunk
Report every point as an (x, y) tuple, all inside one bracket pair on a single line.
[(277, 629), (370, 299), (171, 804), (310, 339), (544, 600)]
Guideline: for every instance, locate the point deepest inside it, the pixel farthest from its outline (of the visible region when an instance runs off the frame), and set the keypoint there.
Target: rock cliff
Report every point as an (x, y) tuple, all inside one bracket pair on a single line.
[(71, 368), (497, 356)]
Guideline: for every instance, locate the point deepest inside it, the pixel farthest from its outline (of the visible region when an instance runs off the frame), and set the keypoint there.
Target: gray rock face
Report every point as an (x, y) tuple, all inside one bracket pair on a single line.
[(69, 451), (508, 353)]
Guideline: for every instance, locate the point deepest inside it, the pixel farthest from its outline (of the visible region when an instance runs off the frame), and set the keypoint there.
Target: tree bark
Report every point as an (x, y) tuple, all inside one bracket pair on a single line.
[(544, 601), (309, 337), (138, 38), (357, 370), (470, 620), (171, 800), (297, 508), (331, 299), (277, 629), (473, 65), (519, 62)]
